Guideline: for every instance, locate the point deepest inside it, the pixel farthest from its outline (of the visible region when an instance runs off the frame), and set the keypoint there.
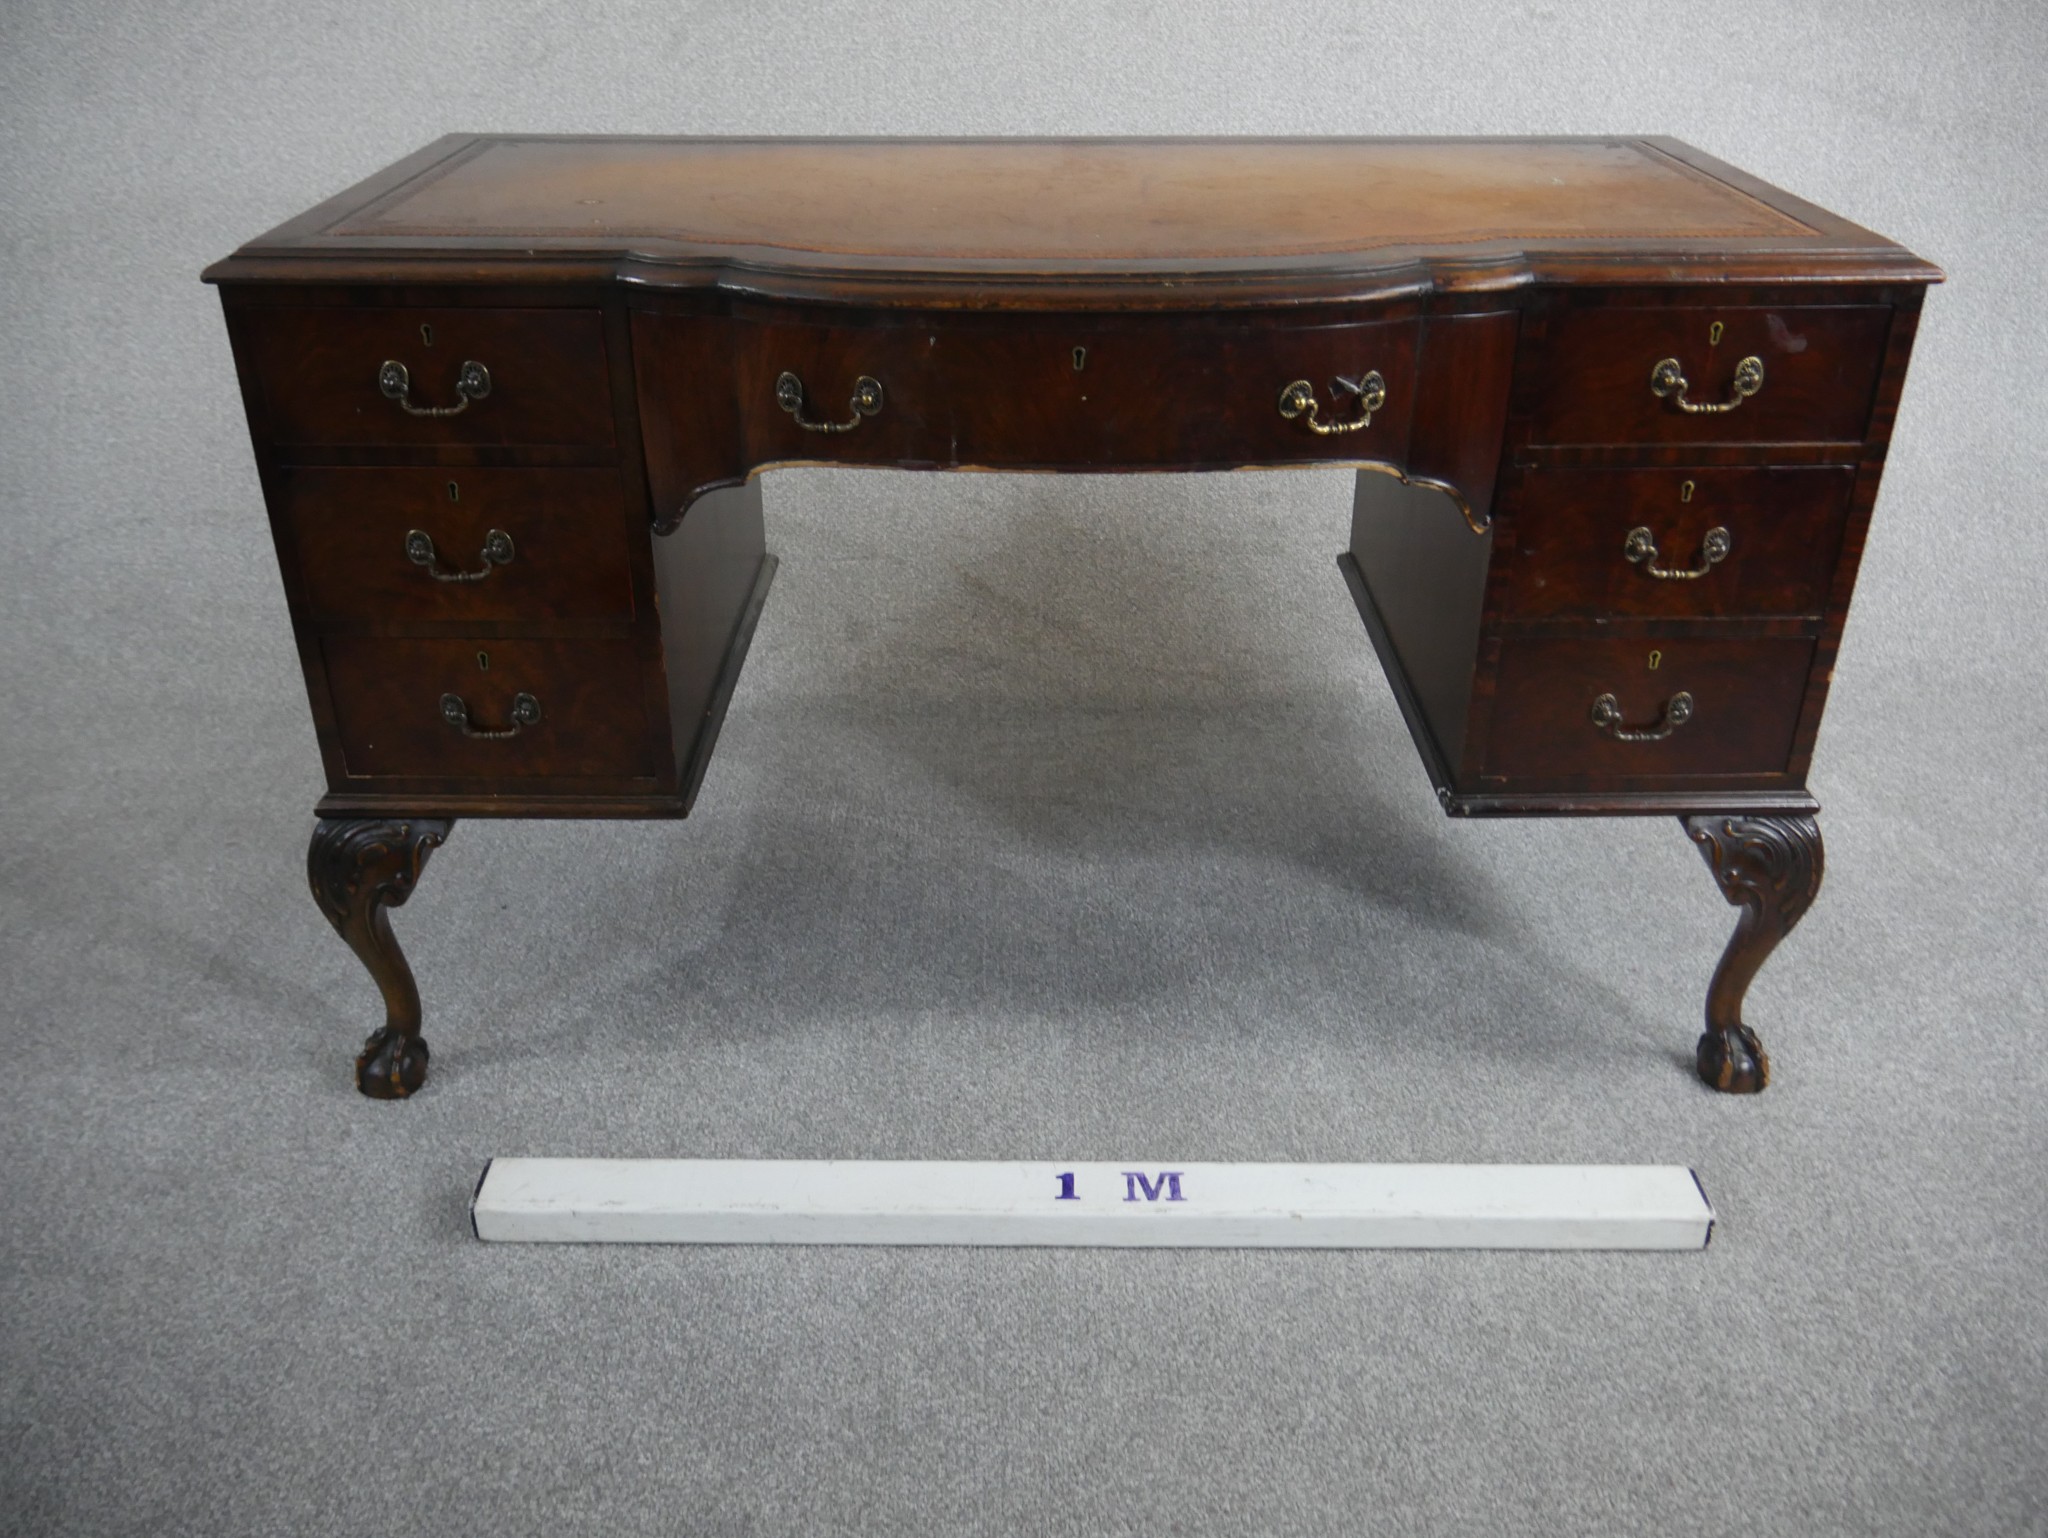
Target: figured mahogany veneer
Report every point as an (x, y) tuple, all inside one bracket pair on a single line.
[(591, 721), (1782, 531), (567, 560), (1820, 368), (546, 366), (510, 399), (1039, 392), (1745, 696)]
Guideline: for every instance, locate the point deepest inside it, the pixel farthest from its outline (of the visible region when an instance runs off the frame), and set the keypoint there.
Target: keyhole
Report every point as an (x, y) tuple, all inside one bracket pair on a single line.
[(1684, 491), (483, 662), (1655, 658), (455, 491), (1714, 334), (1080, 359), (427, 335)]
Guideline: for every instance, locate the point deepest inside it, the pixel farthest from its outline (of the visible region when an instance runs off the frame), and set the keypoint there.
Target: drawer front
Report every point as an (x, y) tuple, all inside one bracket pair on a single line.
[(415, 545), (1744, 698), (1064, 390), (1819, 375), (1171, 391), (796, 388), (321, 371), (588, 699), (1686, 543)]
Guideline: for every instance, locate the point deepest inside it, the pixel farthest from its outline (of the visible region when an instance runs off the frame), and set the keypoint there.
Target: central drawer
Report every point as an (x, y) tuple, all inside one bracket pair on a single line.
[(1044, 391)]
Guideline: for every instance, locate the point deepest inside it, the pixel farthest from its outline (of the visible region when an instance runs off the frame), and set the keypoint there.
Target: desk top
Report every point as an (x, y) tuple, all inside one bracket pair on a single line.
[(1075, 213)]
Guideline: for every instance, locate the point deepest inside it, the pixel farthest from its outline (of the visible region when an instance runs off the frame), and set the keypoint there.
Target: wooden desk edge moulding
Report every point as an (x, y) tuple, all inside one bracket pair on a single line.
[(1618, 413)]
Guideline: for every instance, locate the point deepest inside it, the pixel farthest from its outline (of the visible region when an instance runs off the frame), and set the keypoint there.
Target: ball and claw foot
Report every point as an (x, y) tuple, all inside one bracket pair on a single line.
[(1734, 1063), (391, 1065)]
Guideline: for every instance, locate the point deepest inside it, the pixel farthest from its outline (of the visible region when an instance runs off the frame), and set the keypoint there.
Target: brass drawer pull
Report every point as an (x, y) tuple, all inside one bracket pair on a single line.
[(1607, 719), (525, 713), (1641, 550), (472, 383), (497, 551), (1299, 399), (1668, 379), (866, 401)]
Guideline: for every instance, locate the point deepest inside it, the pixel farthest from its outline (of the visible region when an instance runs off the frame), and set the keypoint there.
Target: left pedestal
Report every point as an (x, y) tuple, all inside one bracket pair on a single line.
[(358, 868)]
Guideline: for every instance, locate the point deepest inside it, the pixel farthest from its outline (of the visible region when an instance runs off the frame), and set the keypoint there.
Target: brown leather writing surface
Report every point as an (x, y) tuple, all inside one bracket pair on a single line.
[(1053, 216), (1183, 201)]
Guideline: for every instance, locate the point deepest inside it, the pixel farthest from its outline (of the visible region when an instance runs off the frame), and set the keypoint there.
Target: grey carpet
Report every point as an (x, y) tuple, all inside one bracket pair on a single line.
[(1053, 818)]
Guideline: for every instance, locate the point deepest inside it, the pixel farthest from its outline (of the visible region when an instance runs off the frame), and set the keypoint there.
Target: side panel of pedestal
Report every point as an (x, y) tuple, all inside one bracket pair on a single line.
[(712, 574)]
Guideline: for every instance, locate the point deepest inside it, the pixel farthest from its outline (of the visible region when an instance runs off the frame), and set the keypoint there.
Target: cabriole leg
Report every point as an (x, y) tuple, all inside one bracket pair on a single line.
[(359, 867), (1770, 868)]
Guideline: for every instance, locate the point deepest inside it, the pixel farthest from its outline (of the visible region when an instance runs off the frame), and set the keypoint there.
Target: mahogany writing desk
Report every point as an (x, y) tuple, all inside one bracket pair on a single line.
[(1619, 412)]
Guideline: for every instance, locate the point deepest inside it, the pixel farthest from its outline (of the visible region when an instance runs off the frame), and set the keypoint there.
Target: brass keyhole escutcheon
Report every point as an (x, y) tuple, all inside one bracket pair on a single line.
[(1080, 359), (1714, 334), (1684, 491), (1655, 658), (427, 335), (483, 662), (455, 492)]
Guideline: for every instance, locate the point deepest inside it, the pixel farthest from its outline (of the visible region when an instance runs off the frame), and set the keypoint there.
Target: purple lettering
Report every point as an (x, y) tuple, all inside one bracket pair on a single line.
[(1168, 1180)]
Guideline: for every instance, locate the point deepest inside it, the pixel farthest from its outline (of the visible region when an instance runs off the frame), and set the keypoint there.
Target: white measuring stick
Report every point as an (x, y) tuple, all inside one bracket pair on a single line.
[(1141, 1202)]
